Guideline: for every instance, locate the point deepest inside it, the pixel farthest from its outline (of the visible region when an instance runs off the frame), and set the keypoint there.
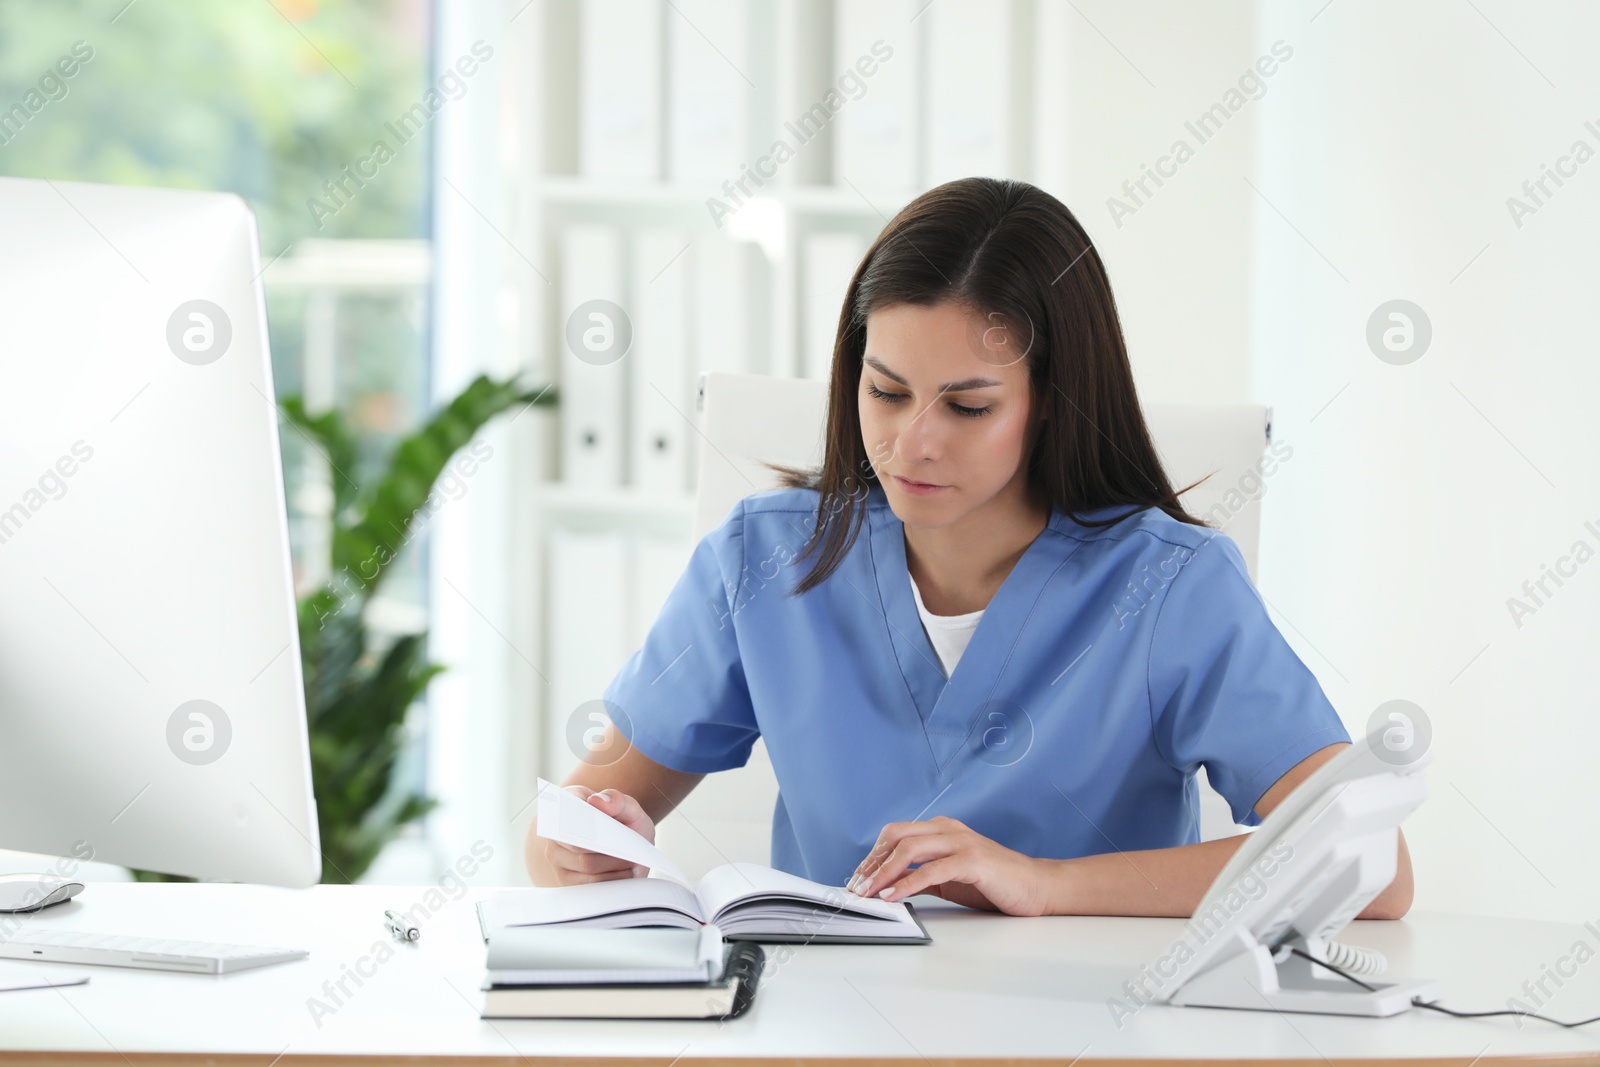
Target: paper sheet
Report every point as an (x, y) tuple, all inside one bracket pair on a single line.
[(565, 818), (32, 976)]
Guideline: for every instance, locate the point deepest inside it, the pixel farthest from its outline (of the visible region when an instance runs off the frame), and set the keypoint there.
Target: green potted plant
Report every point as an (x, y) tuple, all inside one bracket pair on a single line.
[(357, 696)]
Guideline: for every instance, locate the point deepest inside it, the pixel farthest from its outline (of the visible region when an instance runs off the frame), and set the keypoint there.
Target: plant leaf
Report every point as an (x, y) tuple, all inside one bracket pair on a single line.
[(331, 435), (357, 697), (363, 552)]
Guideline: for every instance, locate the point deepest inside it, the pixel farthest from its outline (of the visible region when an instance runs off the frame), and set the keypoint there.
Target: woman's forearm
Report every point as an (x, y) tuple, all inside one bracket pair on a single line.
[(1157, 881), (1173, 881)]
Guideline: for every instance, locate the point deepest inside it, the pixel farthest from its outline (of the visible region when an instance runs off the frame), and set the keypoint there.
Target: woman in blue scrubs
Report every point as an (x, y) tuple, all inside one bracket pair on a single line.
[(985, 644)]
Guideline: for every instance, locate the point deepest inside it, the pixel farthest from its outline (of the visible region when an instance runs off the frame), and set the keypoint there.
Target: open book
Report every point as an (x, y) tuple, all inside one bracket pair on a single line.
[(746, 900)]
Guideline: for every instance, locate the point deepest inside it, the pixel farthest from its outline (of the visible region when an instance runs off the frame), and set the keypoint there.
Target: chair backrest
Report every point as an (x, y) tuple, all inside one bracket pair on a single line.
[(747, 419)]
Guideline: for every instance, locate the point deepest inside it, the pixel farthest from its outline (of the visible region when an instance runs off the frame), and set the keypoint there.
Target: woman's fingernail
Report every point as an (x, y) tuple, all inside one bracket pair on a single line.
[(887, 893)]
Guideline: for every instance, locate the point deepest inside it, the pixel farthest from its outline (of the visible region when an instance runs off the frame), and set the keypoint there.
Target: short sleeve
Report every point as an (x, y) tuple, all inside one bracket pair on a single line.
[(1226, 690), (682, 696)]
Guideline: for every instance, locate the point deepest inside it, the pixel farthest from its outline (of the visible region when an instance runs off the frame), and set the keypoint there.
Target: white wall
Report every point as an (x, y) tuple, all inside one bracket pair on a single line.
[(1423, 496), (1376, 166)]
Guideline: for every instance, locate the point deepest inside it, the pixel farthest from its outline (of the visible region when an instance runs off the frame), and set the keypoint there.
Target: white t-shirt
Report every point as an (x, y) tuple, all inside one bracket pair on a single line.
[(949, 633)]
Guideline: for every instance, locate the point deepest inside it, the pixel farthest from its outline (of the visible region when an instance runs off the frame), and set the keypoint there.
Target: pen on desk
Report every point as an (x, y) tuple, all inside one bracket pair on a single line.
[(399, 927)]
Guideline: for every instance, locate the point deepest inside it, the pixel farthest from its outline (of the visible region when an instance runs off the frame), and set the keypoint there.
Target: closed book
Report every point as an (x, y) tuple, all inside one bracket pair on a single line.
[(542, 955), (726, 998)]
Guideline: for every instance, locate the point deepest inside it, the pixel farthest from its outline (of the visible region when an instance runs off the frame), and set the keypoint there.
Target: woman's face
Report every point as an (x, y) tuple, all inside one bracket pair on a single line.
[(945, 401)]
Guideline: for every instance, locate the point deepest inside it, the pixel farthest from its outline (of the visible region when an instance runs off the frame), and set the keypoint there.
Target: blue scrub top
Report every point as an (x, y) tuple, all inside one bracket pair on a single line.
[(1111, 664)]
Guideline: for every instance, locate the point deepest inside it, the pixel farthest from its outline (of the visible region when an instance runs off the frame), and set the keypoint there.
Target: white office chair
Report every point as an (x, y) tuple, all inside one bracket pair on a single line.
[(728, 817)]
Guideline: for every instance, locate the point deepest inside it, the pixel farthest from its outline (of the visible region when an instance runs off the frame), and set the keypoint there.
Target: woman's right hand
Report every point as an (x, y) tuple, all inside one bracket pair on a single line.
[(577, 866)]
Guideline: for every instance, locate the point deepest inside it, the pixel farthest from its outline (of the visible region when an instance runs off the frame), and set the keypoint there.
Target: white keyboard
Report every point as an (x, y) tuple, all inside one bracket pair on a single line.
[(150, 953)]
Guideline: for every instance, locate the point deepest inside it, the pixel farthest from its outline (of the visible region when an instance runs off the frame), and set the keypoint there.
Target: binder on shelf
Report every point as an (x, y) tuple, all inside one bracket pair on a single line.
[(975, 66), (730, 302), (662, 393), (802, 75), (828, 262), (593, 377), (877, 143), (731, 288), (587, 623), (711, 103), (658, 563), (620, 89)]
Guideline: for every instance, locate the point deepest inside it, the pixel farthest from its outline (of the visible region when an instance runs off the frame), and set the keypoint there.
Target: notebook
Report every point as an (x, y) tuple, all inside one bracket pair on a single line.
[(727, 998), (564, 955)]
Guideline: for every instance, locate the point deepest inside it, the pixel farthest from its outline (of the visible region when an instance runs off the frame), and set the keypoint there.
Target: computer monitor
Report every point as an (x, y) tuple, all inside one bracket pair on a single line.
[(1297, 880), (152, 712)]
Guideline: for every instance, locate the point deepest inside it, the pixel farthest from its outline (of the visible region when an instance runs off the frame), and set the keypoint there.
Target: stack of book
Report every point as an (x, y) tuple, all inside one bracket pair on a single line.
[(655, 947)]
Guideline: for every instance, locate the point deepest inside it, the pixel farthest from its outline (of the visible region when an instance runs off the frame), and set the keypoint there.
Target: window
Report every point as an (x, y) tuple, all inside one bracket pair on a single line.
[(283, 103)]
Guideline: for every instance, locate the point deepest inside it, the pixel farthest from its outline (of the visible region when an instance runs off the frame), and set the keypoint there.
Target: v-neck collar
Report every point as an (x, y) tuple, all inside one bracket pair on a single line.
[(949, 710)]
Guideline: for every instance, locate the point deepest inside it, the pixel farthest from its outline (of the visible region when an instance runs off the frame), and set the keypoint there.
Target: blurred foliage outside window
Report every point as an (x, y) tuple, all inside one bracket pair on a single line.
[(270, 100)]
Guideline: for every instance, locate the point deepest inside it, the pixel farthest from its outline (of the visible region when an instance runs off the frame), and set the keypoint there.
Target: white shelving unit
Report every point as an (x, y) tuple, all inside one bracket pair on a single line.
[(542, 129)]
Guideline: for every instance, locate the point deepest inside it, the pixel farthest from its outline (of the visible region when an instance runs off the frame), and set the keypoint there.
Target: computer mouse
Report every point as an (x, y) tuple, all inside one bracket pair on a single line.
[(30, 892)]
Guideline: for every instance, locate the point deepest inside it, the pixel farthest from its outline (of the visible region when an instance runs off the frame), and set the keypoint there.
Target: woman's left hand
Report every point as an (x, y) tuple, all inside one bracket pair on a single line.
[(956, 863)]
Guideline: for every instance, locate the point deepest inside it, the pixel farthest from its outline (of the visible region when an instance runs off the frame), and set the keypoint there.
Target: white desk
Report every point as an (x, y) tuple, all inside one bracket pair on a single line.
[(988, 987)]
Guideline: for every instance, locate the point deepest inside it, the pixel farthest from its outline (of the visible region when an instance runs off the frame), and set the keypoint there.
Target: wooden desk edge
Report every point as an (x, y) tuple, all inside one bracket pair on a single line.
[(317, 1059)]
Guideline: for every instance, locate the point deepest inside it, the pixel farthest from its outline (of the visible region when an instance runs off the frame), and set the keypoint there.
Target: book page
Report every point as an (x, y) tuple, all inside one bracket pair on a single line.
[(733, 882), (530, 906), (566, 818)]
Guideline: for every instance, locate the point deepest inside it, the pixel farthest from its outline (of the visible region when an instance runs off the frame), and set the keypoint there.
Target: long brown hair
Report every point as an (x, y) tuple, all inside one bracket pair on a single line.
[(1009, 249)]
